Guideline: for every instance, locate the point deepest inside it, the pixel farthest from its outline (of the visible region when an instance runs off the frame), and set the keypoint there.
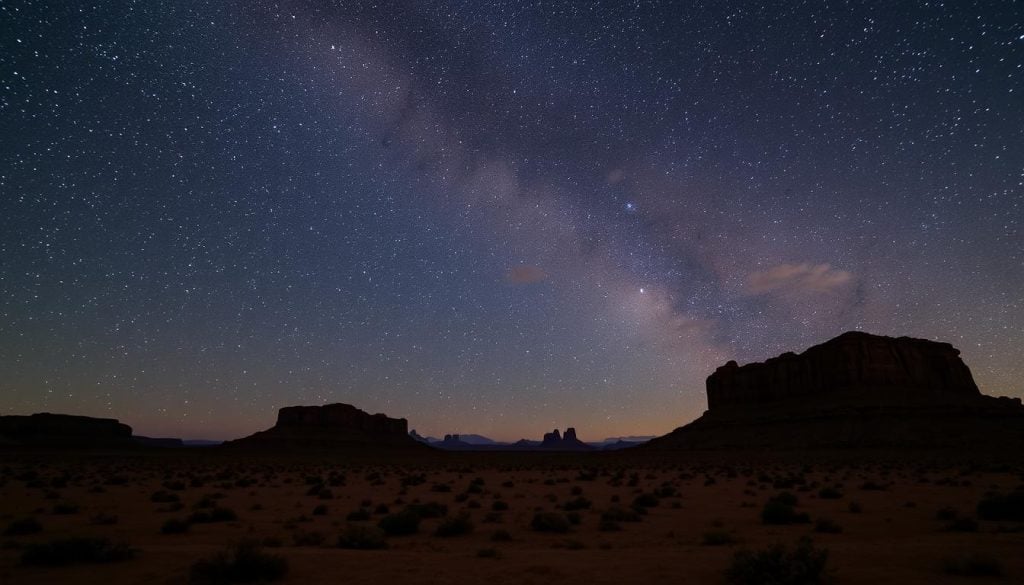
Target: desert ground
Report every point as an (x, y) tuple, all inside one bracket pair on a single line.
[(500, 518)]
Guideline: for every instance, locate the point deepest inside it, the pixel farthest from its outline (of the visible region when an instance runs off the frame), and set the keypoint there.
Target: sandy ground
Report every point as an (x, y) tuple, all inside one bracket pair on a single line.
[(896, 537)]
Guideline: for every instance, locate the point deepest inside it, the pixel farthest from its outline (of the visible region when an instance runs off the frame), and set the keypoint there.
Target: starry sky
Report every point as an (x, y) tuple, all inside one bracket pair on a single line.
[(494, 217)]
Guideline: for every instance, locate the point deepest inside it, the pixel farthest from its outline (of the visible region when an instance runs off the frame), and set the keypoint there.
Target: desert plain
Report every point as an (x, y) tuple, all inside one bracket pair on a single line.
[(498, 518)]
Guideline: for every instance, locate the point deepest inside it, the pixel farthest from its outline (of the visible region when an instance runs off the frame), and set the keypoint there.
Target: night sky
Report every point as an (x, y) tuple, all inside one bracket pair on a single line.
[(494, 217)]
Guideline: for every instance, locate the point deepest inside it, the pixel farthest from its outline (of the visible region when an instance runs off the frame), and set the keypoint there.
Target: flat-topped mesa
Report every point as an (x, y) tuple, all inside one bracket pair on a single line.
[(855, 367), (341, 416), (64, 430), (331, 426)]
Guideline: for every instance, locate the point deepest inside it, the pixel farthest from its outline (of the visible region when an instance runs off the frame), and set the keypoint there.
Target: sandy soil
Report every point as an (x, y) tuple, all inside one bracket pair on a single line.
[(897, 536)]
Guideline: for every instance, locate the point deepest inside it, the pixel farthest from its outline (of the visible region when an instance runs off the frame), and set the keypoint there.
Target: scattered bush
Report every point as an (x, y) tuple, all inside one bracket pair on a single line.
[(454, 526), (23, 526), (308, 538), (360, 537), (360, 515), (829, 493), (617, 514), (972, 565), (577, 503), (488, 553), (805, 565), (718, 538), (71, 551), (501, 536), (244, 563), (215, 514), (428, 510), (162, 497), (645, 501), (827, 526), (400, 523), (776, 512), (550, 522), (998, 506), (65, 508), (175, 526), (103, 519)]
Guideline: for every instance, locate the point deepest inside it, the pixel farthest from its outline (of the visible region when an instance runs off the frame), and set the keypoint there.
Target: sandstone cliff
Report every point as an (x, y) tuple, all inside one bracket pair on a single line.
[(856, 390), (329, 426), (64, 430)]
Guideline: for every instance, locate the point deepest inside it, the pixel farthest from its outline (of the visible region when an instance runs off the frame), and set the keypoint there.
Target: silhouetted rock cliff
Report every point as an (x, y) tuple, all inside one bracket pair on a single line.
[(555, 441), (331, 425), (64, 430), (856, 390)]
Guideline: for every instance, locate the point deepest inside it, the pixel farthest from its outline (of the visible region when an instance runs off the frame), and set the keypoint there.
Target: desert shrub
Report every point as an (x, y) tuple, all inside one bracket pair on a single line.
[(501, 536), (499, 506), (855, 508), (827, 526), (574, 518), (962, 524), (778, 565), (175, 526), (550, 522), (776, 512), (619, 514), (488, 553), (972, 565), (243, 563), (609, 526), (428, 510), (321, 510), (947, 514), (360, 515), (361, 537), (454, 526), (645, 501), (785, 498), (215, 514), (104, 519), (381, 509), (441, 488), (717, 538), (998, 506), (162, 497), (829, 493), (400, 523), (23, 526), (308, 538), (577, 503), (72, 551), (65, 508)]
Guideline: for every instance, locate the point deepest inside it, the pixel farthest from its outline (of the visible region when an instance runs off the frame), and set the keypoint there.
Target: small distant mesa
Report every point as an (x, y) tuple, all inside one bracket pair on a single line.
[(854, 391)]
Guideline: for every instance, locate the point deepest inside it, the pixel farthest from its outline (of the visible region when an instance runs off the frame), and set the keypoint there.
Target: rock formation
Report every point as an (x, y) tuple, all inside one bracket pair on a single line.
[(64, 430), (856, 390), (330, 426), (555, 441)]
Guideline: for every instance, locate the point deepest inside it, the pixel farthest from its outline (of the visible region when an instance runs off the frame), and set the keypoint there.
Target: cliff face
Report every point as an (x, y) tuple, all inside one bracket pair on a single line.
[(64, 430), (856, 390), (854, 368), (331, 425), (342, 417)]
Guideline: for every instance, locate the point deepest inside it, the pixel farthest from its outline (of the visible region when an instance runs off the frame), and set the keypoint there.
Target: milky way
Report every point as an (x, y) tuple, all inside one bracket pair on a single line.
[(494, 217)]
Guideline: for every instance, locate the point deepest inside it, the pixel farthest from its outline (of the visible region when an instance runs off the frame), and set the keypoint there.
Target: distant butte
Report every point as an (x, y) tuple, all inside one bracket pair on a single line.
[(330, 426), (856, 390)]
